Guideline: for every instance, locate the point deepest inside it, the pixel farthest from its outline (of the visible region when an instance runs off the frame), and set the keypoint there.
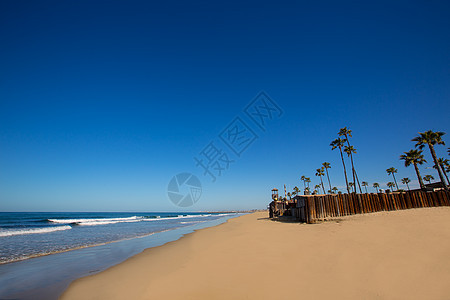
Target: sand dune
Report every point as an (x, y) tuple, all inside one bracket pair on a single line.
[(387, 255)]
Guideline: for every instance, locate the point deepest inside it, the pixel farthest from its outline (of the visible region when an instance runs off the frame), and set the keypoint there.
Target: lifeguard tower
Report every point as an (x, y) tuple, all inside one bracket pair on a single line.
[(275, 194)]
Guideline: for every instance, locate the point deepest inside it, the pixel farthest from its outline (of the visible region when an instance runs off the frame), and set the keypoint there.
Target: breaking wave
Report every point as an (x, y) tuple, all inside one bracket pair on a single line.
[(4, 233), (106, 221)]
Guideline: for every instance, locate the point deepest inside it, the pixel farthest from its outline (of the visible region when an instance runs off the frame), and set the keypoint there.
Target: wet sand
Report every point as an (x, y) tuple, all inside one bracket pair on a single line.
[(386, 255)]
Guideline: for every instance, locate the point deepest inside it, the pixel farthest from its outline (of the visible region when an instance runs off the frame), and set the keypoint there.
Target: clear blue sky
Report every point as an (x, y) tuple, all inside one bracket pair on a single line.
[(102, 102)]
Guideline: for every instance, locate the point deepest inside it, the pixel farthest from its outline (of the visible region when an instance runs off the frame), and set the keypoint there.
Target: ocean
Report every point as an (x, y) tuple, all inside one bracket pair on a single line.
[(41, 253), (26, 235)]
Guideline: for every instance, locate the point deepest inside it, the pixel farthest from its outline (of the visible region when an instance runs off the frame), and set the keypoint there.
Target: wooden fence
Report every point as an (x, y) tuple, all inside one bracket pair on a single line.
[(312, 208)]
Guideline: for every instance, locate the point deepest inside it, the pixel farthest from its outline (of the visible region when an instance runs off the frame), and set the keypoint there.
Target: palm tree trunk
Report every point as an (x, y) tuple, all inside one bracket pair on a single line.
[(353, 168), (365, 188), (345, 171), (441, 176), (329, 182), (376, 189), (353, 171), (408, 187), (395, 181), (445, 174), (321, 182), (357, 179), (418, 176)]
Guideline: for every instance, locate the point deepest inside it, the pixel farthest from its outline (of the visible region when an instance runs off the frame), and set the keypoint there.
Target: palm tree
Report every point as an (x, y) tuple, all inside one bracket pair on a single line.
[(431, 138), (351, 185), (392, 171), (320, 173), (444, 164), (303, 178), (316, 187), (296, 191), (406, 180), (428, 178), (308, 180), (334, 189), (365, 184), (376, 185), (414, 157), (339, 143), (326, 166), (348, 133), (289, 195), (390, 185), (350, 150)]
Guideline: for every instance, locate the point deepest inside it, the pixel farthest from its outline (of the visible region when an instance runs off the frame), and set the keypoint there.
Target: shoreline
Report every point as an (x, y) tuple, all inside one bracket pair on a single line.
[(399, 254), (48, 276), (5, 260), (82, 247)]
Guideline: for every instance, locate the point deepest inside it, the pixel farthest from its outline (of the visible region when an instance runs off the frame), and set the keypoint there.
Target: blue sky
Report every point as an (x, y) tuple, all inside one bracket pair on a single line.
[(102, 102)]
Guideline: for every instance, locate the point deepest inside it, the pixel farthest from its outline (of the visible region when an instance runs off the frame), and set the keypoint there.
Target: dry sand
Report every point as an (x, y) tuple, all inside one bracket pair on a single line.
[(387, 255)]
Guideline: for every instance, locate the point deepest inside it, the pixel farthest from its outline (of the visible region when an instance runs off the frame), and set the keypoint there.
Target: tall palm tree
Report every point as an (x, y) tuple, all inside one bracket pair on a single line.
[(392, 171), (365, 184), (326, 166), (414, 157), (339, 143), (376, 185), (348, 133), (390, 185), (406, 180), (428, 178), (444, 164), (320, 173), (431, 138), (350, 150), (303, 178), (334, 189)]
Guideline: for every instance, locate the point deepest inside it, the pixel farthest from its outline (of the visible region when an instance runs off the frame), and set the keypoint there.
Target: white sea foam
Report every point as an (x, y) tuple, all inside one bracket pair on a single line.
[(178, 217), (106, 221), (92, 222), (11, 232)]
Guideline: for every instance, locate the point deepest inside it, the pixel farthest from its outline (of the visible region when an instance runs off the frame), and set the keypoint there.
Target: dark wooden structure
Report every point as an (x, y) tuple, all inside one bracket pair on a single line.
[(280, 207), (312, 208)]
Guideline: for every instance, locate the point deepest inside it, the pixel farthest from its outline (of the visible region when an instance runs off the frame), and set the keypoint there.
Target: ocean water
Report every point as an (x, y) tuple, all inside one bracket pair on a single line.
[(28, 235), (34, 247)]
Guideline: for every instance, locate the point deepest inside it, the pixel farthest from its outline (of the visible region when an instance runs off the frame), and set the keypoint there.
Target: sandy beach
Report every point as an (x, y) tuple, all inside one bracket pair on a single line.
[(386, 255)]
